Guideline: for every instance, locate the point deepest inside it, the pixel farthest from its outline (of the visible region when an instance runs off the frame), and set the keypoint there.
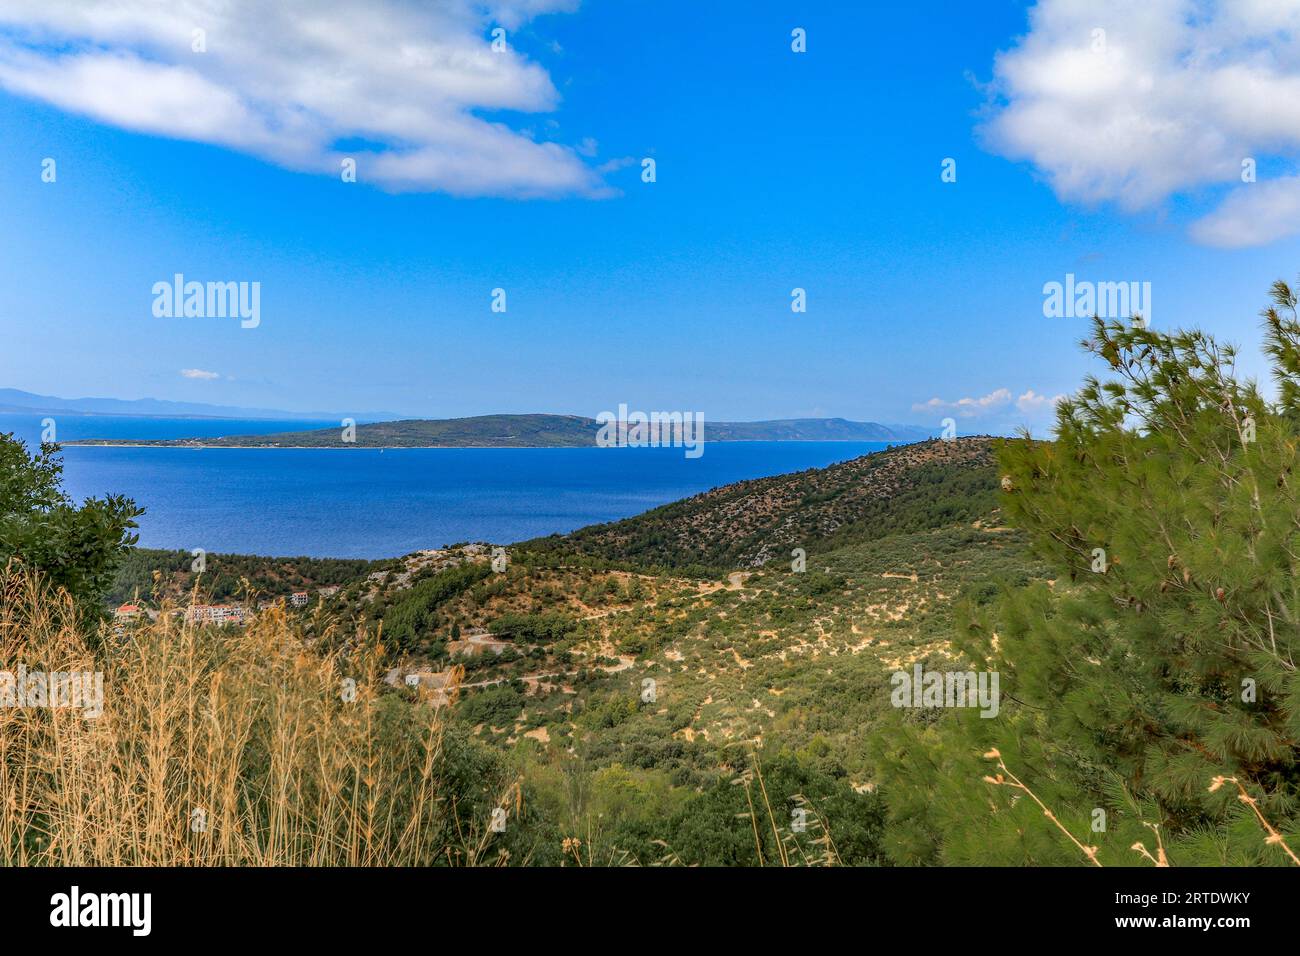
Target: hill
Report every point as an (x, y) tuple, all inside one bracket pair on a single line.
[(530, 431), (651, 693), (640, 702), (910, 488)]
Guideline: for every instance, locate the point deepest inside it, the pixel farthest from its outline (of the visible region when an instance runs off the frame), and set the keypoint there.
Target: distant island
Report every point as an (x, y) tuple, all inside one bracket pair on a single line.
[(527, 431)]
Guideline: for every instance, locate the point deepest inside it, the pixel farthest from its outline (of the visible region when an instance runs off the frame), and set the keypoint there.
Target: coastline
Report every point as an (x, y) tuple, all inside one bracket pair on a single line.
[(353, 447)]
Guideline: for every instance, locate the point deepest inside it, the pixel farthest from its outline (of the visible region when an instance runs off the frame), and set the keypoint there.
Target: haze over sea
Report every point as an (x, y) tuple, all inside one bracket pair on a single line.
[(366, 503)]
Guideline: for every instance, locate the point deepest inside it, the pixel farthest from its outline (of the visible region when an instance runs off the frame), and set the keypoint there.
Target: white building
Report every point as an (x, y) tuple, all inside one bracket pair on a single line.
[(217, 614)]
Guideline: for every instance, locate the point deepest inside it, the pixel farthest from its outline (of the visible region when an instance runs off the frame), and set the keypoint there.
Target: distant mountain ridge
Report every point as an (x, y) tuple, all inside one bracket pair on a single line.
[(531, 431), (15, 401)]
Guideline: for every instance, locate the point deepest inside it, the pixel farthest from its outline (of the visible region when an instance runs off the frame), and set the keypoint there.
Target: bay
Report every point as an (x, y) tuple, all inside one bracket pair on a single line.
[(367, 503)]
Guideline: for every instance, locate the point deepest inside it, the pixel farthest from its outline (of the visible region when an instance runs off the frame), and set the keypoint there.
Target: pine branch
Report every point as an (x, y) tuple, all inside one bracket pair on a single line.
[(1009, 779), (1274, 837)]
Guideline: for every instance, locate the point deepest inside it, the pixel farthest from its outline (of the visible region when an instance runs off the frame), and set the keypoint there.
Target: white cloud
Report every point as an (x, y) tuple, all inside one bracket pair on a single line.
[(967, 407), (288, 81), (1249, 217), (514, 13), (614, 165), (200, 374), (1031, 403), (1173, 97)]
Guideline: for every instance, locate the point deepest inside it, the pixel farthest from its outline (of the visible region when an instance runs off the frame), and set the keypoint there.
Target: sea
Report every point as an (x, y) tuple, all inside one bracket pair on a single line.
[(368, 503)]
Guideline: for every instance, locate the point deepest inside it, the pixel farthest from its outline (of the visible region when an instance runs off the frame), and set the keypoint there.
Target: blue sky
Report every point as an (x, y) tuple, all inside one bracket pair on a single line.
[(776, 170)]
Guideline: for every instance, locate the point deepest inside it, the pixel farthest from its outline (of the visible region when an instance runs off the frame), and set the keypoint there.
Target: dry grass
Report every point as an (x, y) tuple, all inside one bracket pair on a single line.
[(789, 850), (230, 747)]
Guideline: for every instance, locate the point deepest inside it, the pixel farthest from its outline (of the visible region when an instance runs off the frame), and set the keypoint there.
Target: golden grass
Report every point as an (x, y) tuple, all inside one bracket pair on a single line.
[(218, 747), (790, 851)]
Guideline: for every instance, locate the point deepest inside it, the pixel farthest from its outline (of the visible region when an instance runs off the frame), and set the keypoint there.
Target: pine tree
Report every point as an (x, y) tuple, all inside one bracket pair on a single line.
[(1153, 682)]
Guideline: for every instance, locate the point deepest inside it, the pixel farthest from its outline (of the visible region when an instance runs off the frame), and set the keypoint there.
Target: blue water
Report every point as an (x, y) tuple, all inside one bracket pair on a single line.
[(366, 503)]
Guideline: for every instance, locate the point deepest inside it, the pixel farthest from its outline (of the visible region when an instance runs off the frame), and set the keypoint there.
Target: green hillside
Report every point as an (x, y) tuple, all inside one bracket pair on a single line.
[(910, 488), (157, 573), (767, 671)]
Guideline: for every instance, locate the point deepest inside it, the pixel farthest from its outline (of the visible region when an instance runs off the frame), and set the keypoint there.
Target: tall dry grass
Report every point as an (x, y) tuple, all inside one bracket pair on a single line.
[(218, 747)]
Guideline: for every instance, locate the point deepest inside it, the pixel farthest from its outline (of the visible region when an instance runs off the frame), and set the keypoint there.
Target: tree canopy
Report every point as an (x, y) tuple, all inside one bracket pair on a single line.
[(1150, 693), (75, 548)]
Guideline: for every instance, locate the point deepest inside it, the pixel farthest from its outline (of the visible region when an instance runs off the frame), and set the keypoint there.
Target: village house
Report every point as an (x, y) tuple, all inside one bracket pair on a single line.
[(125, 613), (217, 614)]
